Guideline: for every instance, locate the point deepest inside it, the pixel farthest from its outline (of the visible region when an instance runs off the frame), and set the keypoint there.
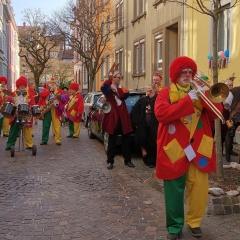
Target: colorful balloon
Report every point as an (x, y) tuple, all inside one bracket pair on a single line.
[(226, 53), (221, 54), (210, 57)]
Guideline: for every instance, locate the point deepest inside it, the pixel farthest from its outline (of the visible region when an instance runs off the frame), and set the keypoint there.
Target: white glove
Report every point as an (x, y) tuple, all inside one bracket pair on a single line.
[(201, 89), (193, 94)]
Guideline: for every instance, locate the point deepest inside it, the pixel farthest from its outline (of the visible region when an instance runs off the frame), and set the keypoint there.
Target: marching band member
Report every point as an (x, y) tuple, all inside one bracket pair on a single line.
[(185, 148), (49, 94), (74, 110), (21, 96), (4, 122)]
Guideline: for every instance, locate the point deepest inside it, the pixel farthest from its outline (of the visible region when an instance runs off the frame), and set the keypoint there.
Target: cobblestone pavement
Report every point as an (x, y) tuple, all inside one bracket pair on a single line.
[(66, 192)]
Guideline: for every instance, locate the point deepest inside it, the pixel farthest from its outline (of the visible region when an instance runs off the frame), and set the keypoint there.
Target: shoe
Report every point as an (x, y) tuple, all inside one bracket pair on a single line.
[(130, 164), (235, 143), (58, 143), (8, 148), (29, 148), (110, 166), (234, 153), (74, 137), (196, 232), (151, 166), (172, 236), (32, 135), (69, 136), (5, 135), (43, 143)]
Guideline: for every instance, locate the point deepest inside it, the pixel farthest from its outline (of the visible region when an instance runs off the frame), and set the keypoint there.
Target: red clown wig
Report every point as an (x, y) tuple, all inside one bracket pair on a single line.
[(3, 79), (74, 86), (179, 64), (21, 81)]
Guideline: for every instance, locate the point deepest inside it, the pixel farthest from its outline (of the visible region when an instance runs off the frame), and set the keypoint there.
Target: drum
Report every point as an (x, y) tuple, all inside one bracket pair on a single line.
[(23, 110), (35, 109), (8, 110)]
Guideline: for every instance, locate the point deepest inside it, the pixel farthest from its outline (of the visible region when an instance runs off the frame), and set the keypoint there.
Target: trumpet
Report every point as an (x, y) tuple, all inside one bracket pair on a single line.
[(217, 94)]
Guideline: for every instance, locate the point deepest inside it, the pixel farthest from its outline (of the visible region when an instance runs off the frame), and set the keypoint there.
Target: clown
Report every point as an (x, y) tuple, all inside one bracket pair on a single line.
[(4, 122), (74, 111), (185, 148), (50, 93), (21, 96)]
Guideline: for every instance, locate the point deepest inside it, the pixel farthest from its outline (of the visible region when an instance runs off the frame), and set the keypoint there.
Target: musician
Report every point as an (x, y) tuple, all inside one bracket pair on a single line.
[(21, 96), (185, 148), (117, 120), (51, 94), (74, 111), (4, 122)]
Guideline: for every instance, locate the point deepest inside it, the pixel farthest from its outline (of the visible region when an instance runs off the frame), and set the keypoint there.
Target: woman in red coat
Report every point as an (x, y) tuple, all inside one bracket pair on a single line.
[(185, 148), (117, 121)]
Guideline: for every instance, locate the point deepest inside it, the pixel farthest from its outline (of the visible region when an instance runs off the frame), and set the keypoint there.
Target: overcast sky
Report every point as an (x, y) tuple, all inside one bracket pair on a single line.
[(46, 6)]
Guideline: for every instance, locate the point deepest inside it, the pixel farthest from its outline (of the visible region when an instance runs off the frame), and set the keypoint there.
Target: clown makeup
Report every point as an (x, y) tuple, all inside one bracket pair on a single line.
[(21, 88), (2, 84), (185, 77), (52, 86)]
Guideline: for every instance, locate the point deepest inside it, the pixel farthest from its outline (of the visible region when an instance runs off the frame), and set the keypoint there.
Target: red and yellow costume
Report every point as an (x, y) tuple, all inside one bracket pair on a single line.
[(53, 115), (184, 124), (4, 122), (17, 99), (74, 111)]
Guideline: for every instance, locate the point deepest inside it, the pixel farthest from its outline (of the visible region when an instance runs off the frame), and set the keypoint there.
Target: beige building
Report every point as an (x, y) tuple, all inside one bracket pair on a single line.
[(148, 37)]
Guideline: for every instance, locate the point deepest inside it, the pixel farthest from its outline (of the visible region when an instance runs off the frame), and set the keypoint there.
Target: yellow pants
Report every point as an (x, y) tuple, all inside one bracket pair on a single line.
[(27, 133), (197, 186), (5, 126)]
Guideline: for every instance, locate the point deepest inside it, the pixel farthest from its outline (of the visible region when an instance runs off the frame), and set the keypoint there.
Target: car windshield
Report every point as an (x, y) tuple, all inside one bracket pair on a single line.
[(131, 100), (95, 98)]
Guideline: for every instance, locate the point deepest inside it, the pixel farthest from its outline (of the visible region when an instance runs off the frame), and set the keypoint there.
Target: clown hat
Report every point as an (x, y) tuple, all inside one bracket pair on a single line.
[(3, 79), (21, 81), (74, 86), (51, 80)]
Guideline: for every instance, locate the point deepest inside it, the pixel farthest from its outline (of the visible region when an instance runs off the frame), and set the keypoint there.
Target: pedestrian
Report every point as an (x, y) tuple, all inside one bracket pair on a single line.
[(117, 121), (21, 97), (146, 125), (185, 148), (65, 89), (49, 101), (157, 79), (4, 92), (232, 104), (74, 110)]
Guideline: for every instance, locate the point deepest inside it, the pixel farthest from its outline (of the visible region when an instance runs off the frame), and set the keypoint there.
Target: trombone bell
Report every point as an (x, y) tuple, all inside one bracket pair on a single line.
[(218, 92)]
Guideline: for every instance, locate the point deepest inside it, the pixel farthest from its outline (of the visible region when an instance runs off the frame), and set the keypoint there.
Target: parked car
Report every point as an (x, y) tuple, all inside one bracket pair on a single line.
[(88, 101), (96, 115)]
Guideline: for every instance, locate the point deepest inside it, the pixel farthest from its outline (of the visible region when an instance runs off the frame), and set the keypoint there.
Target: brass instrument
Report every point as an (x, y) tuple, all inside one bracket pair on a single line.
[(217, 94), (50, 105)]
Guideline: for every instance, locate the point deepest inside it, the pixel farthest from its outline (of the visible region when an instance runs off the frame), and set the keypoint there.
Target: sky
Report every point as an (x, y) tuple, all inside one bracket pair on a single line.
[(46, 6)]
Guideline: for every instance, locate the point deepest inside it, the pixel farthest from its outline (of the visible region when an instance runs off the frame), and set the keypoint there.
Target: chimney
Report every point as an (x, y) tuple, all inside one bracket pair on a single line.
[(24, 24)]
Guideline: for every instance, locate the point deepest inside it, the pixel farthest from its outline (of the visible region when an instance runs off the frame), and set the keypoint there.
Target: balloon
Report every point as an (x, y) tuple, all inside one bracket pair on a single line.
[(221, 54), (226, 53), (210, 57)]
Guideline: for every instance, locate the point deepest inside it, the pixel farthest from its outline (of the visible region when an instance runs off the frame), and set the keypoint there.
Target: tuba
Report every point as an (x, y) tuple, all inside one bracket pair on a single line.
[(217, 94)]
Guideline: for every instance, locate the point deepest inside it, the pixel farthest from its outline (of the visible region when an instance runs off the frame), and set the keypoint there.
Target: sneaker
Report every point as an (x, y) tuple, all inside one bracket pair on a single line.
[(172, 236), (110, 166), (234, 153), (130, 164), (196, 232)]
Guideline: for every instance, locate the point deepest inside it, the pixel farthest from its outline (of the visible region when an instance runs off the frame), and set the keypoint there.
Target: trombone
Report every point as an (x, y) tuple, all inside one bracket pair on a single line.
[(217, 94)]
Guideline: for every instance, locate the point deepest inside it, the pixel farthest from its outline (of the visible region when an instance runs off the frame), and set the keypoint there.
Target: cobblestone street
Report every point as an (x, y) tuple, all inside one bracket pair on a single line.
[(66, 192)]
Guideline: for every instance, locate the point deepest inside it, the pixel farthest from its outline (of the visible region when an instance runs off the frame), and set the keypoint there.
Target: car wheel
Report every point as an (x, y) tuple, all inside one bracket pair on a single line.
[(105, 141), (90, 134)]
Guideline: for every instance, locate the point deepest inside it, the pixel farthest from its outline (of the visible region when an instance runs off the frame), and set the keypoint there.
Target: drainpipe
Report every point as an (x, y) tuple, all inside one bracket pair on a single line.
[(183, 29)]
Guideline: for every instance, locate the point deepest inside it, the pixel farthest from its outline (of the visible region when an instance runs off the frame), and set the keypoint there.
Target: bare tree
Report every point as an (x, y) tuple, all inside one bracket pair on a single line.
[(87, 26), (36, 43), (61, 69), (204, 7)]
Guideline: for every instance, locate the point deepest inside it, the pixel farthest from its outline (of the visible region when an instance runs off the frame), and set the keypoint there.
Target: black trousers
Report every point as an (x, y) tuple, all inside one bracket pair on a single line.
[(126, 144), (229, 138)]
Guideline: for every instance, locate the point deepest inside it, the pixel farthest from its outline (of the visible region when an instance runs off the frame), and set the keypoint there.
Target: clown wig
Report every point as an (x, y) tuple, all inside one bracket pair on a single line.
[(21, 81), (74, 86), (3, 79)]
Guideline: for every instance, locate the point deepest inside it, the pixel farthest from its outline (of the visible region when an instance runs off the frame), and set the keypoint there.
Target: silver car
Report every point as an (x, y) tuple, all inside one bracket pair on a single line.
[(88, 101)]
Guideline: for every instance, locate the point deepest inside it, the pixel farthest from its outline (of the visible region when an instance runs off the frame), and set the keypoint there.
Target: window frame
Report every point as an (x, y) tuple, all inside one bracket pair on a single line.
[(139, 57)]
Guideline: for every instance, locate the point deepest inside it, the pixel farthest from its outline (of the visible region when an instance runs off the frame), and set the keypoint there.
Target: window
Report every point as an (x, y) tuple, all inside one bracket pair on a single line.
[(139, 57), (102, 68), (224, 29), (54, 54), (119, 59), (108, 28), (119, 16), (139, 7), (107, 64), (158, 51)]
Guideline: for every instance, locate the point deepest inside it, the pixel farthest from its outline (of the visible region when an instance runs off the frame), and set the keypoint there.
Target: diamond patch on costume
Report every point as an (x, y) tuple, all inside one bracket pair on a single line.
[(171, 129), (203, 162), (200, 124)]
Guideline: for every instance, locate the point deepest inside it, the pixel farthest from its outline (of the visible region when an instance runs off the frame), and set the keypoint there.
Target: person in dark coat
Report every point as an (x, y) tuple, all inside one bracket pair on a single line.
[(146, 124)]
